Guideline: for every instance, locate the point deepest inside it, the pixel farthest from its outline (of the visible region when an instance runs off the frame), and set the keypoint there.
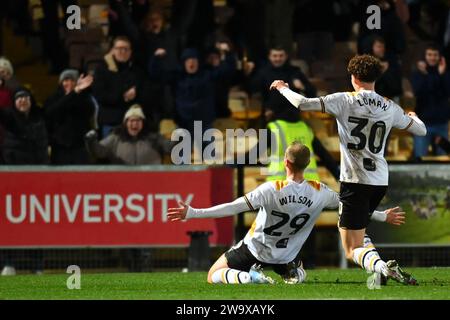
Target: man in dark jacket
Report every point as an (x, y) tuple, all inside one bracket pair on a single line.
[(431, 85), (193, 88), (278, 68), (118, 85), (25, 139), (69, 114)]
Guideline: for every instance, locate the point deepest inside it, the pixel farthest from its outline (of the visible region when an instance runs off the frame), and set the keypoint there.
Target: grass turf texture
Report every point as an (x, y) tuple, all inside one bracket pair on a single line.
[(321, 284)]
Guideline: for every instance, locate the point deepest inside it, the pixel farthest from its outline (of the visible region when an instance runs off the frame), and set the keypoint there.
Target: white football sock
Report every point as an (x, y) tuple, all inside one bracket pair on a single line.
[(369, 259), (379, 265), (228, 275)]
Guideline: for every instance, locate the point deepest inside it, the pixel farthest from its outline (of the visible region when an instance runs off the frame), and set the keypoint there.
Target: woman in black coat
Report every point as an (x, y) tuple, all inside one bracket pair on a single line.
[(26, 139)]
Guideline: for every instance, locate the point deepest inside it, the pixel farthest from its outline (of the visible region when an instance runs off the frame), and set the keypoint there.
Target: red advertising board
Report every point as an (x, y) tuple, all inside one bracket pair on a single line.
[(98, 208)]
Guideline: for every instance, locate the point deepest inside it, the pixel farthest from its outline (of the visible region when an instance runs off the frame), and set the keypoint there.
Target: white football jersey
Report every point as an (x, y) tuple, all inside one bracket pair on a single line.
[(364, 121), (286, 216)]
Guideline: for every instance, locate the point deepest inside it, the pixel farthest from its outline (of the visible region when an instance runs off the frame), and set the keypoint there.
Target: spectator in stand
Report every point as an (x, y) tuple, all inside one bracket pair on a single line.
[(431, 86), (118, 84), (277, 68), (5, 102), (193, 88), (7, 83), (214, 57), (443, 143), (69, 114), (391, 29), (7, 74), (151, 36), (5, 94), (131, 143), (25, 132), (390, 83)]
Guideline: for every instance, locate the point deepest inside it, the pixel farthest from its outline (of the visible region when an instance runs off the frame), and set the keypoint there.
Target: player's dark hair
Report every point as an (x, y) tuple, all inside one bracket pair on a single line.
[(298, 155), (365, 68)]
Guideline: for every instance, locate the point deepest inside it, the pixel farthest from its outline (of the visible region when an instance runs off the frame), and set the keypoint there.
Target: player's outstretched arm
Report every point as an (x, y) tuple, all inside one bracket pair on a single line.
[(222, 210), (409, 122), (297, 100), (394, 216), (416, 127)]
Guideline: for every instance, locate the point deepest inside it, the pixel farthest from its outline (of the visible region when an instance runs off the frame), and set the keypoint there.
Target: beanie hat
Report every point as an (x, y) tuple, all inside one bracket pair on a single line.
[(21, 93), (189, 53), (134, 111), (69, 74)]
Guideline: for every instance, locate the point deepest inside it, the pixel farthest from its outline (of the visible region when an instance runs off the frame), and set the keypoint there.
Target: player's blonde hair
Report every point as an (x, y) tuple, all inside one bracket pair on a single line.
[(298, 155)]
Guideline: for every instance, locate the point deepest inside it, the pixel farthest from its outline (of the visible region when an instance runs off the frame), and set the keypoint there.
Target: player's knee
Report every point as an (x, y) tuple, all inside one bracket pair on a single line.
[(209, 277), (349, 253)]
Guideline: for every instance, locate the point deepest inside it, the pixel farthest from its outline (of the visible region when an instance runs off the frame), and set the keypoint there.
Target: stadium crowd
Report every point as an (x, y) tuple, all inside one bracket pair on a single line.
[(181, 60)]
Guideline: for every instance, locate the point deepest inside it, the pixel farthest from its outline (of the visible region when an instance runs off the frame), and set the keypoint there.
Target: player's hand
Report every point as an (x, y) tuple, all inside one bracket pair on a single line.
[(412, 114), (278, 84), (442, 66), (395, 216), (177, 214)]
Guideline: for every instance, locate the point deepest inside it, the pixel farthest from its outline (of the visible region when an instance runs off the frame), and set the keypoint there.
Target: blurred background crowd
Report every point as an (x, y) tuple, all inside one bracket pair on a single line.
[(113, 91)]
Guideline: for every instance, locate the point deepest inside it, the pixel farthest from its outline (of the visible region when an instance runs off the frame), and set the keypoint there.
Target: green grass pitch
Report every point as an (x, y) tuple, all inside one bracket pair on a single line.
[(321, 284)]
